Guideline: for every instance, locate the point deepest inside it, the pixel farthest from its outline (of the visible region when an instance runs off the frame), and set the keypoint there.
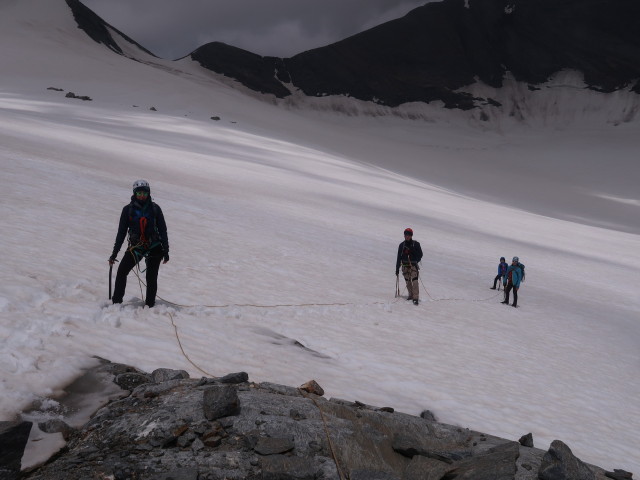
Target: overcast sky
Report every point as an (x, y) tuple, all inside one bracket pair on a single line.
[(282, 28)]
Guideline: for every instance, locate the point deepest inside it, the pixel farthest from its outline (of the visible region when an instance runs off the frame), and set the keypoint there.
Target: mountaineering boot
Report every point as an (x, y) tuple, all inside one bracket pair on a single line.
[(415, 301)]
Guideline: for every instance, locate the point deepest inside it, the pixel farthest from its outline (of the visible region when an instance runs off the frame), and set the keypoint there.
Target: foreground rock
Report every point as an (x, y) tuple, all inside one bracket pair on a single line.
[(13, 438), (174, 427)]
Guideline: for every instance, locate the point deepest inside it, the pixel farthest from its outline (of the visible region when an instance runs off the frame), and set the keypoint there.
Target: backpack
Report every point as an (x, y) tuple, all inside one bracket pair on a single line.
[(522, 270)]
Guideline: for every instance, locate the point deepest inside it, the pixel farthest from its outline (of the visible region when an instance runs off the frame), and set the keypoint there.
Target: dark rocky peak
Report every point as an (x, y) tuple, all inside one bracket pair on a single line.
[(253, 71), (98, 29), (444, 46)]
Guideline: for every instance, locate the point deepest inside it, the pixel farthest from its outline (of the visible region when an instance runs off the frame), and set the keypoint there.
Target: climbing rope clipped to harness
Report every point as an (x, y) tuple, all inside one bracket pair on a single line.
[(135, 252), (143, 236)]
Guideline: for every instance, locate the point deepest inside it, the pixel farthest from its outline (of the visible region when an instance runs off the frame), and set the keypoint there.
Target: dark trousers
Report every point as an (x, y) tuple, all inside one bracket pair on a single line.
[(130, 260), (495, 280), (508, 289)]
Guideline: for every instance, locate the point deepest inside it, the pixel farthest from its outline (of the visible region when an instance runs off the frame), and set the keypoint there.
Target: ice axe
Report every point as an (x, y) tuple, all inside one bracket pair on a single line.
[(110, 270)]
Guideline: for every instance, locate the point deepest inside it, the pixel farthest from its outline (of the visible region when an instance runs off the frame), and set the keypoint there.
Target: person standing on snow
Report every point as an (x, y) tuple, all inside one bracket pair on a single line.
[(512, 281), (144, 221), (409, 254), (502, 271)]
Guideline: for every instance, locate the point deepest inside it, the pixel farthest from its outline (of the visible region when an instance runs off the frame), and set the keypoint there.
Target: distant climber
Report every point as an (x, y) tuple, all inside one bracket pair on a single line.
[(502, 271), (511, 281), (409, 255)]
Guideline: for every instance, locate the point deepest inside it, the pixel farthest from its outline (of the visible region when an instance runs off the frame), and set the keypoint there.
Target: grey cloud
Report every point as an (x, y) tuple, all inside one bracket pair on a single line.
[(174, 28)]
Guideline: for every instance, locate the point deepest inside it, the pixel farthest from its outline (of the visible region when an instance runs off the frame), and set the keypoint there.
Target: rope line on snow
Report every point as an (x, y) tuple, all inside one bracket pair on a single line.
[(457, 299), (255, 305), (200, 369), (175, 328), (304, 394), (280, 305), (404, 289)]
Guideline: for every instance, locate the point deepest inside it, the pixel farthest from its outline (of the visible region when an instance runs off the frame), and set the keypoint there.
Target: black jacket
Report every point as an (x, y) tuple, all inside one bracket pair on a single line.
[(155, 231), (408, 253)]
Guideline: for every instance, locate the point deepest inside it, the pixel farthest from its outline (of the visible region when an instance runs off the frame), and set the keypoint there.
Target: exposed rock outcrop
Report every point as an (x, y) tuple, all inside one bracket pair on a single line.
[(174, 427), (13, 438), (99, 30)]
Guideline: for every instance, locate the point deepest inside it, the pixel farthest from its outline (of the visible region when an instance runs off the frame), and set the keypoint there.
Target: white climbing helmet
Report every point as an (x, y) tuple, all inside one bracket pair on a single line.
[(141, 185)]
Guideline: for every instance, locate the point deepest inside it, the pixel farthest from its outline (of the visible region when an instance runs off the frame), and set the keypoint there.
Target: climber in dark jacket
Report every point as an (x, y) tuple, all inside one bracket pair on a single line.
[(502, 271), (409, 255), (144, 221)]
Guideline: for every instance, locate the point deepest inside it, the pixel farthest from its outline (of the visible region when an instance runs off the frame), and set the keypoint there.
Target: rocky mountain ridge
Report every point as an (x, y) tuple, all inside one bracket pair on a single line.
[(458, 53), (169, 426), (439, 49)]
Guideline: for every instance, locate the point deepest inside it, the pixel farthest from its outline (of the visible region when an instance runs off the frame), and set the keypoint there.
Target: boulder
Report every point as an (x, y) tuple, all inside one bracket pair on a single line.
[(131, 380), (165, 374), (559, 463), (527, 440), (313, 387), (423, 468), (499, 463), (618, 474), (56, 426), (234, 378), (428, 415), (447, 449), (281, 467), (220, 401), (272, 446), (13, 439)]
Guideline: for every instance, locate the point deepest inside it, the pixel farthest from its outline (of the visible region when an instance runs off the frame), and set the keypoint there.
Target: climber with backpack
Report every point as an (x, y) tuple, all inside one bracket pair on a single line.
[(409, 254), (511, 281), (143, 220), (502, 271)]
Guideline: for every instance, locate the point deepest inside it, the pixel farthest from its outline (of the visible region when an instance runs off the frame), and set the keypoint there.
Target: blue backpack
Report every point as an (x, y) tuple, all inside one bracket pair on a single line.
[(522, 270)]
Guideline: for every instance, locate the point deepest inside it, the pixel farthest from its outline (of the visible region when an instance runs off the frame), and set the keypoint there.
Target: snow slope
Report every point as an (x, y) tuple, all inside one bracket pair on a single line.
[(277, 206)]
